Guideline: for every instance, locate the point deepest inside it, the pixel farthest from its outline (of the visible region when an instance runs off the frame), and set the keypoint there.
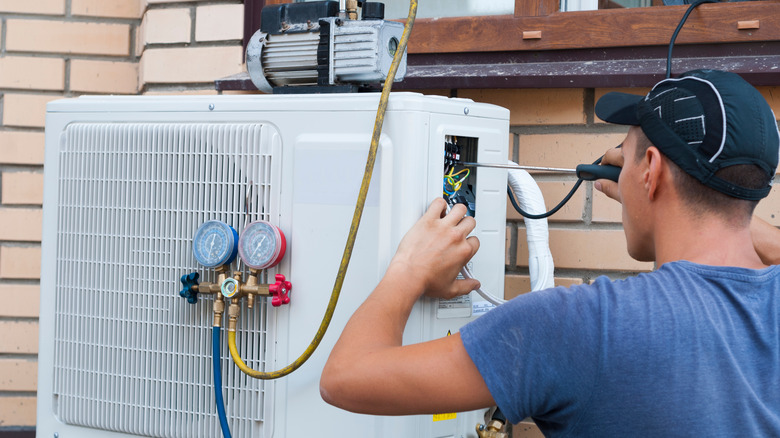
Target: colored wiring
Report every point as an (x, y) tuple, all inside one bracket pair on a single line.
[(353, 229), (455, 181)]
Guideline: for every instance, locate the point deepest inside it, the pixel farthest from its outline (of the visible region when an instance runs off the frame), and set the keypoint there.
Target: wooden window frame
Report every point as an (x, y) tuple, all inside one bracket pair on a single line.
[(619, 47)]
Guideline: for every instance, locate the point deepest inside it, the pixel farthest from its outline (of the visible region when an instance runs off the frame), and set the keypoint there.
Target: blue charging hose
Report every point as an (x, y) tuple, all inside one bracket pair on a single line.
[(218, 383)]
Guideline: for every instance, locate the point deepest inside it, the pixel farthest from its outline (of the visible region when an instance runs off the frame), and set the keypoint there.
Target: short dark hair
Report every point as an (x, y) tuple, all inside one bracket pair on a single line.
[(703, 199)]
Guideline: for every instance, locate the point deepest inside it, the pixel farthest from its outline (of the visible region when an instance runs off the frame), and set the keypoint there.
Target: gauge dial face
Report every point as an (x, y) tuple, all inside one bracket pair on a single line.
[(262, 245), (214, 244)]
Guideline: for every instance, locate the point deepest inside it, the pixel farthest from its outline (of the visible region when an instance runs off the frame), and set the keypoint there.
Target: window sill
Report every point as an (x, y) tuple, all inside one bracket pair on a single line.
[(758, 63)]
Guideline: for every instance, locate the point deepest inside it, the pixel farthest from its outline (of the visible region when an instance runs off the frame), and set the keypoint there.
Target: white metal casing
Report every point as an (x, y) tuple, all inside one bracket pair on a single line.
[(121, 351)]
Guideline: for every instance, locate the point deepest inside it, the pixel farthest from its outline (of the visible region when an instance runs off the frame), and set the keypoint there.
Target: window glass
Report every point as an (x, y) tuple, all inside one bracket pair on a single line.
[(448, 8)]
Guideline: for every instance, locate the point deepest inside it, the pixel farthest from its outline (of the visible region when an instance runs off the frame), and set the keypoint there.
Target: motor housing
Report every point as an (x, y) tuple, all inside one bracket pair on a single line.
[(298, 47)]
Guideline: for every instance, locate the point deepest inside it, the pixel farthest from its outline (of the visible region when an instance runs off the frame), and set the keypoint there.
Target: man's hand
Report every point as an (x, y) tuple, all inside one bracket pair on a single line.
[(435, 249), (612, 157), (370, 371)]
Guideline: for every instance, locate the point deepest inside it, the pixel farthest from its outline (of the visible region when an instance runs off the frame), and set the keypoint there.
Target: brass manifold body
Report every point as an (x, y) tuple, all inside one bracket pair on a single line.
[(234, 288)]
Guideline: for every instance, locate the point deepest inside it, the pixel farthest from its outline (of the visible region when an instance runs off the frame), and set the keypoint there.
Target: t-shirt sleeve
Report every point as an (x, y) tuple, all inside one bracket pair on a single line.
[(538, 353)]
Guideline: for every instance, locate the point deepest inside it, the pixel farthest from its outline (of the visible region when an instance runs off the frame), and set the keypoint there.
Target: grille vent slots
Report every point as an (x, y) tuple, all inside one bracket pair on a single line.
[(131, 196)]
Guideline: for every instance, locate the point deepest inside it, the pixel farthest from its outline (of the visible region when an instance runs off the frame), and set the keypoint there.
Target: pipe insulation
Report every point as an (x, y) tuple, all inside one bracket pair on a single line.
[(540, 261)]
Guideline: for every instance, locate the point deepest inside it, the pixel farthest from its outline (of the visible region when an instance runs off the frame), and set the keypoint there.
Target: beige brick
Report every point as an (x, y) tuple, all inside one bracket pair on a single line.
[(549, 106), (606, 209), (71, 38), (586, 249), (17, 411), (772, 96), (21, 224), (19, 337), (553, 192), (22, 188), (27, 72), (602, 91), (196, 64), (18, 147), (515, 285), (18, 375), (20, 300), (182, 92), (26, 110), (768, 208), (106, 8), (53, 7), (104, 77), (219, 22), (20, 262), (163, 26), (565, 150)]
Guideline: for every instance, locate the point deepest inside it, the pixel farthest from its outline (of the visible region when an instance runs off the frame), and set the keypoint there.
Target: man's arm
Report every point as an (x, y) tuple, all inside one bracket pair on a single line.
[(369, 371), (766, 238), (766, 241)]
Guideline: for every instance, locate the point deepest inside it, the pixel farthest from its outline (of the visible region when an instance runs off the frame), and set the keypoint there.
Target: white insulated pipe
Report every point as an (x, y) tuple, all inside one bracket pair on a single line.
[(540, 261)]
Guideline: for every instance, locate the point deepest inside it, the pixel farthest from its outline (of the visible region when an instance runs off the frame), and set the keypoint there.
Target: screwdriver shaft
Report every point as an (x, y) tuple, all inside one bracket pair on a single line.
[(515, 166)]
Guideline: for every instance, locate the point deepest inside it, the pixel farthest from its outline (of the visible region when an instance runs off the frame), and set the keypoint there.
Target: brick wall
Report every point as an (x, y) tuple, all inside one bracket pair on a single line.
[(185, 46)]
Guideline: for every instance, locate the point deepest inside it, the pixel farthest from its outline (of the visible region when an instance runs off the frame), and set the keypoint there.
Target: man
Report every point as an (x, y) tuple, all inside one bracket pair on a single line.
[(691, 349)]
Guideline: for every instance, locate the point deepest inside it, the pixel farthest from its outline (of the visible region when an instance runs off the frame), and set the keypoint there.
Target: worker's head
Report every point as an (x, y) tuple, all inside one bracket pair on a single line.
[(716, 129)]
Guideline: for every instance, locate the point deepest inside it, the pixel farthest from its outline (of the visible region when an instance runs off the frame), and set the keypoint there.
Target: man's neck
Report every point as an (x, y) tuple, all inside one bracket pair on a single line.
[(707, 240)]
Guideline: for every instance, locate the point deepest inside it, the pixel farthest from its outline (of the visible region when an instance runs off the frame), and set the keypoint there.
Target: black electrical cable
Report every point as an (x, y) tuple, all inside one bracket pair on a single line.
[(676, 31), (555, 209)]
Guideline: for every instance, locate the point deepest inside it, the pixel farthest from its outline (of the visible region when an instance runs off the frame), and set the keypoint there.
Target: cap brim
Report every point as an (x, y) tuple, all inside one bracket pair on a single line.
[(619, 108)]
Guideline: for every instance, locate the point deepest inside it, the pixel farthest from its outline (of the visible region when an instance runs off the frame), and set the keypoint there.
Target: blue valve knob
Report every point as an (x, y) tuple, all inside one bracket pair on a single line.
[(188, 281)]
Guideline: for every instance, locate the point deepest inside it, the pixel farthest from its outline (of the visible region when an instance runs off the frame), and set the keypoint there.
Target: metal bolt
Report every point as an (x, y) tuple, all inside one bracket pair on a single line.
[(466, 111), (56, 435), (211, 107)]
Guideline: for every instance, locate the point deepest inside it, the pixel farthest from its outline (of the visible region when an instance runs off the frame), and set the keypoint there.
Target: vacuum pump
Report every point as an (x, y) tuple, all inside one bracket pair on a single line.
[(321, 47)]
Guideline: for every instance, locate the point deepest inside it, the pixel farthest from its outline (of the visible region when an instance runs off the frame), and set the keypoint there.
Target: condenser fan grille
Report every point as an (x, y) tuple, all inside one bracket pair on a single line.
[(130, 354)]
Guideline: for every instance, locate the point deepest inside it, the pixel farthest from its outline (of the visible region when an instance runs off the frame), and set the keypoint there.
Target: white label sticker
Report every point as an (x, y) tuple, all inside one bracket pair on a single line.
[(459, 307), (482, 307)]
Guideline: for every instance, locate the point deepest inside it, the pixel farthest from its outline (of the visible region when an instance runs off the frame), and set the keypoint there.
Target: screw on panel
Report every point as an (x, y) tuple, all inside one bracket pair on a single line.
[(211, 107), (466, 111), (56, 435)]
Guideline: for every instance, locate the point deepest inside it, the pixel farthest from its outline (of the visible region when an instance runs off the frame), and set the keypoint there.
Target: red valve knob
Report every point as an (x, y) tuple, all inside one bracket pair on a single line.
[(280, 291)]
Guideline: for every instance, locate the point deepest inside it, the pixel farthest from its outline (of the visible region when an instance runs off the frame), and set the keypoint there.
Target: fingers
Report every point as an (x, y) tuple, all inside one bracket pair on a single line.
[(608, 188), (461, 287), (612, 157)]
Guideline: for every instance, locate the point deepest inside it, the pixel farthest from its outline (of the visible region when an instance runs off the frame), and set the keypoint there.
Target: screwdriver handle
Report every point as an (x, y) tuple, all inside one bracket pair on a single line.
[(592, 172)]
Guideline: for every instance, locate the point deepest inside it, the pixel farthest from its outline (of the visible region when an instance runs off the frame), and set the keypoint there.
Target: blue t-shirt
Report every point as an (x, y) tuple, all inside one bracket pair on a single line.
[(687, 350)]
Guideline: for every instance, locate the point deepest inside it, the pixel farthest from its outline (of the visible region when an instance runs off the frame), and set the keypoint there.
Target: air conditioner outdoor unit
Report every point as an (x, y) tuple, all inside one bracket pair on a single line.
[(128, 180)]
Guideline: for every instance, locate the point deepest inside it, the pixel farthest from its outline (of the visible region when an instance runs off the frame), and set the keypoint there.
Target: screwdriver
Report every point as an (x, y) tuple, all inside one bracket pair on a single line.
[(587, 172)]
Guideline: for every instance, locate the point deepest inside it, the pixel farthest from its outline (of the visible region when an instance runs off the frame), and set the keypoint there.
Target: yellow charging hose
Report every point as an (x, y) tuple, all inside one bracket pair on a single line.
[(353, 229)]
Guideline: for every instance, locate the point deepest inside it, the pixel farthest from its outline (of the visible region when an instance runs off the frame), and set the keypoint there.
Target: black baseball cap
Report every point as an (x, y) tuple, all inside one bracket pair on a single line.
[(703, 121)]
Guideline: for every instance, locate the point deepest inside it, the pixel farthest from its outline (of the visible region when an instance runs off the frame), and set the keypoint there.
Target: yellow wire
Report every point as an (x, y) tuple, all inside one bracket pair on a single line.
[(361, 201)]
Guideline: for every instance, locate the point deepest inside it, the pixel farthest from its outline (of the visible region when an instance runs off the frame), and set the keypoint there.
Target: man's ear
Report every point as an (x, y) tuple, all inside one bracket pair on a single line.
[(654, 172)]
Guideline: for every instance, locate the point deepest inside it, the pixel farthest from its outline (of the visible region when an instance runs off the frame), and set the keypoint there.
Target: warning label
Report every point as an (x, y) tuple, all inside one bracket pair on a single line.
[(442, 417)]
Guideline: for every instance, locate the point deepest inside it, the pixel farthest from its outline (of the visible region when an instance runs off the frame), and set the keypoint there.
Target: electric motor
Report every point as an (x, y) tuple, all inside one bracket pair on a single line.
[(307, 44)]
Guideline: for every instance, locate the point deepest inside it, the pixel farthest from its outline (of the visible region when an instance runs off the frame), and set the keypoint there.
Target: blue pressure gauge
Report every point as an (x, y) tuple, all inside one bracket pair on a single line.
[(215, 244), (262, 245)]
